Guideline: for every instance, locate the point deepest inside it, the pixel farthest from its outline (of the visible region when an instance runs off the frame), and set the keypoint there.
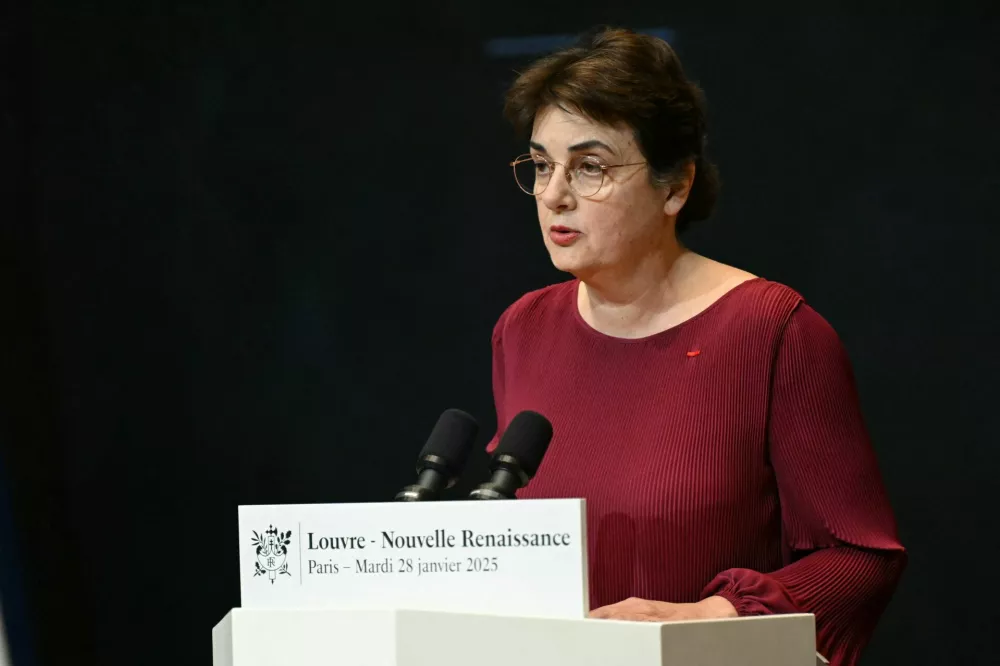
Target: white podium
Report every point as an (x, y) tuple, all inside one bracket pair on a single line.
[(454, 584), (328, 637)]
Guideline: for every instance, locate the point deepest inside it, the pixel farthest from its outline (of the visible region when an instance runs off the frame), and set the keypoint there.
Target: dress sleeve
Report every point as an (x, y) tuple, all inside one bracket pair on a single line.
[(498, 383), (844, 557)]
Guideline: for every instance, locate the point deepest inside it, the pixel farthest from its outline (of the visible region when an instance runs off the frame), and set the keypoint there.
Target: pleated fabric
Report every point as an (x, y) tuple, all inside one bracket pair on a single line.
[(724, 456)]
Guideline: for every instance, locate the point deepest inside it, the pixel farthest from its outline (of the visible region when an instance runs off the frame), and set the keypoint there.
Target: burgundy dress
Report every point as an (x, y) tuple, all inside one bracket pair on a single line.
[(724, 456)]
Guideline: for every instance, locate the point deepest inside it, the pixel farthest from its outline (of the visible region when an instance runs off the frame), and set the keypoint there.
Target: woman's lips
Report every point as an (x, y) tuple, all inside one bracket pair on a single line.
[(563, 236)]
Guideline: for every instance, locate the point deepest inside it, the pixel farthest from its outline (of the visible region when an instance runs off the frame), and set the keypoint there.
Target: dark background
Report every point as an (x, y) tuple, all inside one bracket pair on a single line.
[(250, 251)]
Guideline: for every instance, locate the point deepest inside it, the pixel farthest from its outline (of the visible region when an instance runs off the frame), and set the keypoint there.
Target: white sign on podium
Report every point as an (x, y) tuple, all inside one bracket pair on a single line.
[(465, 556)]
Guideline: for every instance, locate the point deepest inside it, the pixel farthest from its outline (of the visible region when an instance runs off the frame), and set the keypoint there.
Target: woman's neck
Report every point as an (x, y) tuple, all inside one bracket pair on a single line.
[(654, 294)]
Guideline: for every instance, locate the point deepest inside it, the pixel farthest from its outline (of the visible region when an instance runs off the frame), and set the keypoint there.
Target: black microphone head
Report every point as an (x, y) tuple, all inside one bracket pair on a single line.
[(526, 439), (450, 443)]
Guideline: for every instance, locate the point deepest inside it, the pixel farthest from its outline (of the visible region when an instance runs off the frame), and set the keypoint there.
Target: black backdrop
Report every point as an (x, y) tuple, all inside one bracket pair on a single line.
[(252, 250)]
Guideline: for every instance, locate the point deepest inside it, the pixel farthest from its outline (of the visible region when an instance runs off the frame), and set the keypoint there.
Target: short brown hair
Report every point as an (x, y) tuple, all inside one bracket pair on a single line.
[(614, 76)]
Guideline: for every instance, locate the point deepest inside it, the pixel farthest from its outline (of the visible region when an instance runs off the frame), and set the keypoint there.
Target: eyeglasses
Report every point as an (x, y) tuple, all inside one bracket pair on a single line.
[(585, 174)]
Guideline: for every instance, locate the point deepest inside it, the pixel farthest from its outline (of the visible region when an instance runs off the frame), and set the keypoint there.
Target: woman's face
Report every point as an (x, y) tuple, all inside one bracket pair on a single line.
[(626, 219)]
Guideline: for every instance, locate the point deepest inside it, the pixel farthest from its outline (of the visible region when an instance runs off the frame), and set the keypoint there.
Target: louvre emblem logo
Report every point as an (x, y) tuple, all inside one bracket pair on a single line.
[(272, 551)]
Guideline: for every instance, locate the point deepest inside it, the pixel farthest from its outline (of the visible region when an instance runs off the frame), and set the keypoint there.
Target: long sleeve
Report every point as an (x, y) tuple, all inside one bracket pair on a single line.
[(498, 382), (843, 557)]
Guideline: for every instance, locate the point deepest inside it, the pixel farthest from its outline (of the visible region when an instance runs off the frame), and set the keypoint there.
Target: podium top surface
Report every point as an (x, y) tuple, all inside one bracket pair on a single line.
[(324, 637)]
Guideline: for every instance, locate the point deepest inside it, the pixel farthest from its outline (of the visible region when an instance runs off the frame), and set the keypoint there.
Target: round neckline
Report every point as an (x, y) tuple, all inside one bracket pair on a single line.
[(667, 332)]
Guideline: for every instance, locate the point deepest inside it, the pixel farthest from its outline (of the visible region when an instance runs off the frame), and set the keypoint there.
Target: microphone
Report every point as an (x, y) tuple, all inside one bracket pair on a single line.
[(517, 456), (443, 457)]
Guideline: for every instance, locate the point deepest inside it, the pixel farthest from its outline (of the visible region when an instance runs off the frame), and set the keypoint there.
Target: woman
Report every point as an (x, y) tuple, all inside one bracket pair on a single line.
[(708, 416)]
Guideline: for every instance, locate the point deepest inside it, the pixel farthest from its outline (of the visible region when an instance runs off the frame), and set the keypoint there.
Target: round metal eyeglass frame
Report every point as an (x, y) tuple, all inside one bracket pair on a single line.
[(520, 159)]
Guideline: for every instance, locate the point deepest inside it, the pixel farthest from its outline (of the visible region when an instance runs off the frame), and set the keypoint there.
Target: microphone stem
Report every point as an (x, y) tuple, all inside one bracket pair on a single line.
[(506, 479), (432, 479)]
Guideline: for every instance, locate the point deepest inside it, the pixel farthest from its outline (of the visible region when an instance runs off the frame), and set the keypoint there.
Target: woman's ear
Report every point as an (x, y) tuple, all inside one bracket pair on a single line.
[(679, 191)]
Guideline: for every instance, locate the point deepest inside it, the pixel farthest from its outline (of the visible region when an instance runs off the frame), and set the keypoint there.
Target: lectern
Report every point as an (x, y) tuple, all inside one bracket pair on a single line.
[(326, 637), (454, 584)]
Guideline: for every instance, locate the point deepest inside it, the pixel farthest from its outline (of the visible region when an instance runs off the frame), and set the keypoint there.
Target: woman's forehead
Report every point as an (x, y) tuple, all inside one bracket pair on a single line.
[(558, 131)]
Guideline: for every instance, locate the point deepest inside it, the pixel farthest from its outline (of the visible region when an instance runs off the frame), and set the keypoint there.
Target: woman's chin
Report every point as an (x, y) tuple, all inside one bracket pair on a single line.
[(576, 259), (575, 268), (565, 261)]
